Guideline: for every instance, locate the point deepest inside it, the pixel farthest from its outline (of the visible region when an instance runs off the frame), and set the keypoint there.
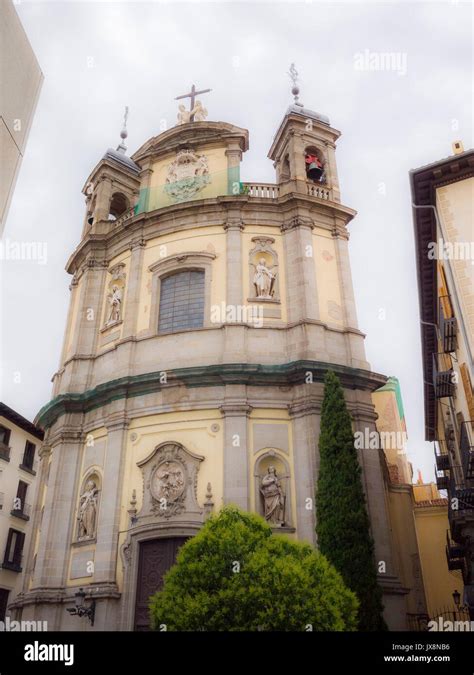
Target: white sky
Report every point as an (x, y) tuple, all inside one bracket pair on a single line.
[(145, 54)]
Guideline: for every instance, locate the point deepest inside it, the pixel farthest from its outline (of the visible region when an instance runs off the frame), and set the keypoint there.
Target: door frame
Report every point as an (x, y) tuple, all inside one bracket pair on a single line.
[(130, 553)]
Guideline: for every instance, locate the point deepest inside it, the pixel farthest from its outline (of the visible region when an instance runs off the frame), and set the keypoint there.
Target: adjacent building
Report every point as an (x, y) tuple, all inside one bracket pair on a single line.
[(20, 441), (20, 86), (418, 516), (442, 197)]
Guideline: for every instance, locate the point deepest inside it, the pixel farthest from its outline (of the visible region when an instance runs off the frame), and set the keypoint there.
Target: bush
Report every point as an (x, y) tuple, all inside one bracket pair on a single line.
[(234, 575)]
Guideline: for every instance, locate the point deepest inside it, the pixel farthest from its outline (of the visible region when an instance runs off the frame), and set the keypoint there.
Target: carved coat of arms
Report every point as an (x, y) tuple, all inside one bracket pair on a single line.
[(187, 175)]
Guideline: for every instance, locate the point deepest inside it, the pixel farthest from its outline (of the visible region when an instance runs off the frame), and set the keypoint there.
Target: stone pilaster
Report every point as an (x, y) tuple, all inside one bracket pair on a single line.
[(364, 416), (89, 312), (59, 517), (234, 350), (110, 501), (236, 472), (305, 424), (234, 157), (104, 195), (302, 295), (133, 282)]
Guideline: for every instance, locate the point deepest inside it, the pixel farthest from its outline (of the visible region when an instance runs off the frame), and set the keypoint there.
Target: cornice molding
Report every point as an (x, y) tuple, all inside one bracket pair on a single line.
[(281, 375)]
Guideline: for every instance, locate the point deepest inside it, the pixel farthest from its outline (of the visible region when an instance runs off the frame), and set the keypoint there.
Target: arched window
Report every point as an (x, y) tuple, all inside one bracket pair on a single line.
[(181, 301), (118, 205), (314, 165)]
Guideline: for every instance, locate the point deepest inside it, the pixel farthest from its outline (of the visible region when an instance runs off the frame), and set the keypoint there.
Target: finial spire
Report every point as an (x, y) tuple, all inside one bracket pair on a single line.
[(295, 90), (124, 133)]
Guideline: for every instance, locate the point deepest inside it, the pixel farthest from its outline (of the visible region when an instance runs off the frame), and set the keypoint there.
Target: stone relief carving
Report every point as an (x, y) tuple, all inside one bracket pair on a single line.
[(87, 515), (263, 270), (170, 476), (115, 295), (168, 482), (187, 175), (273, 497)]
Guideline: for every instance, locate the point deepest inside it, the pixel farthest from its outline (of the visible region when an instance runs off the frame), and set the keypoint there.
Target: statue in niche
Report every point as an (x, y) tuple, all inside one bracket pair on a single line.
[(273, 498), (263, 280), (115, 305), (88, 511)]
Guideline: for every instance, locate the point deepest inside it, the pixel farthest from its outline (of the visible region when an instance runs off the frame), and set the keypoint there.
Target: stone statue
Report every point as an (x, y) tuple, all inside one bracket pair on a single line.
[(184, 116), (199, 112), (88, 511), (115, 303), (273, 498), (263, 280)]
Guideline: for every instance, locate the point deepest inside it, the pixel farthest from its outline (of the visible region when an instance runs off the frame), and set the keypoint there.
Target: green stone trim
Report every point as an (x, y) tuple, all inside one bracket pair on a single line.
[(205, 376)]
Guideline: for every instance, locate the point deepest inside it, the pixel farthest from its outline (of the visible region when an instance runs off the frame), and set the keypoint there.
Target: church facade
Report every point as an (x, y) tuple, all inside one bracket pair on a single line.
[(204, 315)]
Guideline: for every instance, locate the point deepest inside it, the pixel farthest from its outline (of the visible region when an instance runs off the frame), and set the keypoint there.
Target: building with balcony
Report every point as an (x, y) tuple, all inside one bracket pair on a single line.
[(205, 312), (443, 220), (20, 441)]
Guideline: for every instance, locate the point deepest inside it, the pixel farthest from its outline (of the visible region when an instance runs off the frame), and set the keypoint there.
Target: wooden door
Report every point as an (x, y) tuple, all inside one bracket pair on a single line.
[(155, 558)]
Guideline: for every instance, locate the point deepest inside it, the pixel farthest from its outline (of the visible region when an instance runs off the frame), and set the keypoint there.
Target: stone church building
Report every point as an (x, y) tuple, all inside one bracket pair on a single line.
[(204, 314)]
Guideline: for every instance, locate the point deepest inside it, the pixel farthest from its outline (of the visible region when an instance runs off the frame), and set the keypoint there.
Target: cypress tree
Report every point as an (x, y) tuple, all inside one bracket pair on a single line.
[(342, 520)]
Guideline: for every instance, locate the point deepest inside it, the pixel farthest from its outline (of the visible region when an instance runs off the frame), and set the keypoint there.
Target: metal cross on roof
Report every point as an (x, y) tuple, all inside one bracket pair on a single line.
[(192, 95)]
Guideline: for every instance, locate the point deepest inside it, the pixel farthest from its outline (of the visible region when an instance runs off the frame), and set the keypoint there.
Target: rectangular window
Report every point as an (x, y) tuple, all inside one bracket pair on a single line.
[(20, 500), (14, 550), (3, 603), (4, 441), (4, 435), (28, 456), (181, 302)]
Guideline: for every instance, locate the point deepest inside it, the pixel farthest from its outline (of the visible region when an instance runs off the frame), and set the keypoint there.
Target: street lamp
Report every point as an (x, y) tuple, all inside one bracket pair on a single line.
[(81, 609)]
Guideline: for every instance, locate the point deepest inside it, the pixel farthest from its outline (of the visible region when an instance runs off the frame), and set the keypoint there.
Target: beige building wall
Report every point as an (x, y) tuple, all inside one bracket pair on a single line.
[(431, 522), (20, 85)]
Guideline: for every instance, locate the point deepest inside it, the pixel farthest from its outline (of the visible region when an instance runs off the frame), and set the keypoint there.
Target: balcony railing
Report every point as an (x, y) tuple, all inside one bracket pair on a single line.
[(443, 376), (447, 324), (262, 190), (13, 565), (455, 554), (5, 452), (460, 501), (442, 456), (318, 191), (23, 512), (272, 191), (467, 449), (442, 482)]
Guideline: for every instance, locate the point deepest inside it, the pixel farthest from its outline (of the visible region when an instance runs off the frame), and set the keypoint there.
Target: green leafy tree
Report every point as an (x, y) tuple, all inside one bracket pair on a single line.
[(342, 520), (234, 575)]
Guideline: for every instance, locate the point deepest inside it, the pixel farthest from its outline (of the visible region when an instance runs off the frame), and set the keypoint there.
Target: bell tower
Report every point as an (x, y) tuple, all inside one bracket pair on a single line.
[(111, 189), (303, 151)]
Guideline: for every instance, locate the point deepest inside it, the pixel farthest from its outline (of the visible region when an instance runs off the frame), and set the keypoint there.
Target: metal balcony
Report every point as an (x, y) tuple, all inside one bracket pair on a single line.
[(23, 512), (455, 554), (5, 452), (442, 456), (447, 324), (443, 380), (442, 482), (467, 449), (460, 501)]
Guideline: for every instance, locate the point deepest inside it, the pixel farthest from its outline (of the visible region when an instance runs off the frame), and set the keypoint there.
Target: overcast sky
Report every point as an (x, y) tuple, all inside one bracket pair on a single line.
[(99, 57)]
